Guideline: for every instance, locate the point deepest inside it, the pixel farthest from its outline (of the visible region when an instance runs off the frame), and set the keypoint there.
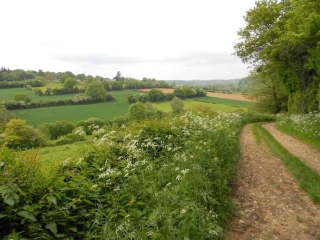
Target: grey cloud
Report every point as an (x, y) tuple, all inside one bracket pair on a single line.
[(207, 58), (96, 58), (189, 59)]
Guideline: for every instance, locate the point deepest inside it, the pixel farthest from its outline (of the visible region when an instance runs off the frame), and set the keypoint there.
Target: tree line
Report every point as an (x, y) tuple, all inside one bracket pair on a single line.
[(281, 41), (20, 78), (156, 95)]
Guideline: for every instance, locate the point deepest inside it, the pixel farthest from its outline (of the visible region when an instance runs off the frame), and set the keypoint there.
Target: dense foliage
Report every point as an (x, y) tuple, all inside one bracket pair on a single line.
[(156, 95), (18, 135), (177, 105), (281, 41), (306, 127), (76, 100), (20, 78), (141, 180), (5, 117)]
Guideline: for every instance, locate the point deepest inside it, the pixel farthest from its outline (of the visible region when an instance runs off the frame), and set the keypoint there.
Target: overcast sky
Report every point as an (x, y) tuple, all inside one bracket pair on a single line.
[(162, 39)]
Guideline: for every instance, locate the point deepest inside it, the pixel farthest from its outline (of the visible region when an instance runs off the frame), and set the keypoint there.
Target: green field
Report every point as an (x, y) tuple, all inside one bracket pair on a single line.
[(7, 95), (190, 104), (55, 155), (105, 111), (229, 102), (218, 104)]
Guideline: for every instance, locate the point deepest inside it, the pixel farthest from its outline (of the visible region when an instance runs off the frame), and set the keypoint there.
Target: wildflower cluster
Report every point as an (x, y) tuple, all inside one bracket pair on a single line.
[(80, 131), (307, 124), (154, 179), (154, 161)]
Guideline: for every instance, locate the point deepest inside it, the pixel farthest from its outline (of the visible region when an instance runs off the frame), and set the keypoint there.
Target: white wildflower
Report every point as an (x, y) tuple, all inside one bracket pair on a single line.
[(179, 177), (184, 171)]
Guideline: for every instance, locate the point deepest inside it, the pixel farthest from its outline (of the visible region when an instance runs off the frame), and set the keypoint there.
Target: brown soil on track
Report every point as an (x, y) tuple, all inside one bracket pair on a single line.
[(270, 204), (233, 96)]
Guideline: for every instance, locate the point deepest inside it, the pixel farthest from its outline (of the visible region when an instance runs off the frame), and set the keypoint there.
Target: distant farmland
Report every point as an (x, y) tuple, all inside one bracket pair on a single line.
[(233, 96), (106, 111), (7, 94)]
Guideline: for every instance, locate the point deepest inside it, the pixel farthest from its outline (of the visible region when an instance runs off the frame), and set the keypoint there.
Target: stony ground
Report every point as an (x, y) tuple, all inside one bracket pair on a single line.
[(270, 203)]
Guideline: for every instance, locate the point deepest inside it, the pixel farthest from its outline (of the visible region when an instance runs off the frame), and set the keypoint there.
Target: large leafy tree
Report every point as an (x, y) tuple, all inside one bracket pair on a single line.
[(19, 135), (96, 91), (5, 117), (281, 41), (155, 95), (137, 112), (70, 83), (177, 105)]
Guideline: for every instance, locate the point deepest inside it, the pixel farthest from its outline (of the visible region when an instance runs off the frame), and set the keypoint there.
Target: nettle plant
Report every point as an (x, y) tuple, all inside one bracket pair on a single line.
[(154, 179)]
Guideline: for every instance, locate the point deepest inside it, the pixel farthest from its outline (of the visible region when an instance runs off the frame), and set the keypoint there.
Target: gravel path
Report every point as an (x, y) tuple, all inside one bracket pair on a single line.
[(270, 204)]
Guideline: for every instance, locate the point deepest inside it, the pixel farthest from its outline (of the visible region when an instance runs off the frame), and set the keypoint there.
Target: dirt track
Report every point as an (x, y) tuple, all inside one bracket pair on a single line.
[(270, 203)]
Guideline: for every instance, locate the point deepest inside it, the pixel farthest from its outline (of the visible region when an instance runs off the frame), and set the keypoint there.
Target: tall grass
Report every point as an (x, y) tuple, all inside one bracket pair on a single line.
[(165, 178), (155, 179), (305, 127)]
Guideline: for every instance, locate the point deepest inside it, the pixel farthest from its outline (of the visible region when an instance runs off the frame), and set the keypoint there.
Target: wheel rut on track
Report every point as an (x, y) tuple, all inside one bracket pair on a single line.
[(270, 203)]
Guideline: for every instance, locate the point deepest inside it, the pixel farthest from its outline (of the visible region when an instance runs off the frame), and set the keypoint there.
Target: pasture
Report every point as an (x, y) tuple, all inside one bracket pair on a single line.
[(224, 101), (7, 95), (191, 104), (105, 111)]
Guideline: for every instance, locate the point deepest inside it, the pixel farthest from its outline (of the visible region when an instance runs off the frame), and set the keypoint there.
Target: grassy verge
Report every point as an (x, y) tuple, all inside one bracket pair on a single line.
[(307, 178), (305, 127), (306, 138)]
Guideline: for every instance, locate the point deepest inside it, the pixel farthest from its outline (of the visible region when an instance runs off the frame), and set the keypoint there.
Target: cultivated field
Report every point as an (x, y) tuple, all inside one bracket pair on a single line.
[(105, 111), (8, 95), (194, 103), (233, 96)]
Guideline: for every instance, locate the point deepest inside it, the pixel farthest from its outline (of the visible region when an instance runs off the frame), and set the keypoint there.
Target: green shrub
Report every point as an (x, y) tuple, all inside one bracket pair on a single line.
[(177, 105), (91, 124), (137, 111), (18, 135), (60, 128), (144, 179)]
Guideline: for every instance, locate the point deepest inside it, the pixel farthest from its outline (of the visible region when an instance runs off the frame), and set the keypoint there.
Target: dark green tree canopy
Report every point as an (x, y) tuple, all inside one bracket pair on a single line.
[(19, 96), (96, 91), (137, 111), (282, 42), (69, 83)]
